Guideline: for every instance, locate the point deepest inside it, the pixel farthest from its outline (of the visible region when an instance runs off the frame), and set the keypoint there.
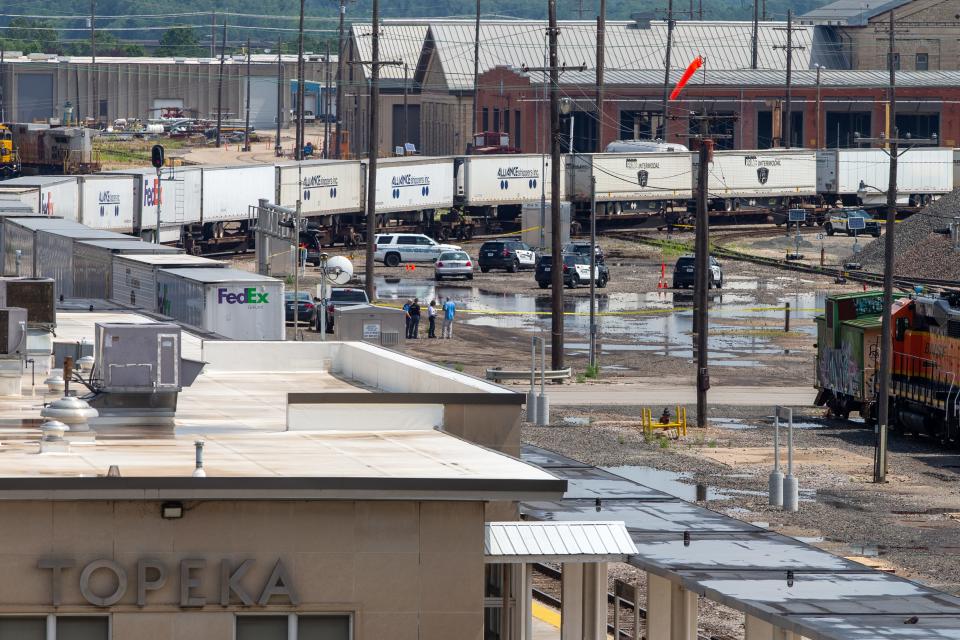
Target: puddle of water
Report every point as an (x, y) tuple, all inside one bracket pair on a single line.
[(737, 510), (762, 525), (677, 484), (736, 424), (576, 421), (809, 539)]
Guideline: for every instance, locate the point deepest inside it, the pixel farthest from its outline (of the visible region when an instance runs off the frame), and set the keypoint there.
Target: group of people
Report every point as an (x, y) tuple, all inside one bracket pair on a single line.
[(447, 311)]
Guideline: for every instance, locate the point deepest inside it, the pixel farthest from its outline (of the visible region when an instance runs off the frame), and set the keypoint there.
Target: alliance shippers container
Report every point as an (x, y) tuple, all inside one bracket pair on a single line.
[(505, 179), (134, 279), (922, 173), (323, 186), (414, 184), (228, 302), (752, 175), (54, 249), (93, 263), (632, 177), (107, 202), (47, 195), (177, 190)]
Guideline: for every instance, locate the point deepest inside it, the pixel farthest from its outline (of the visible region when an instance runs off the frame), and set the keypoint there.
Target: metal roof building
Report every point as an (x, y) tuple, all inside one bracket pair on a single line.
[(850, 12)]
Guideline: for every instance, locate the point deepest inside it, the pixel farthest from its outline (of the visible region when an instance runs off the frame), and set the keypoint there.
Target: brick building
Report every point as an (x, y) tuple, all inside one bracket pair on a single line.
[(850, 102)]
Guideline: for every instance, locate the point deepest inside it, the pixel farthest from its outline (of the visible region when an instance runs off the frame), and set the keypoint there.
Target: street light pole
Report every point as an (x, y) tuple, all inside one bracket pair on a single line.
[(593, 270)]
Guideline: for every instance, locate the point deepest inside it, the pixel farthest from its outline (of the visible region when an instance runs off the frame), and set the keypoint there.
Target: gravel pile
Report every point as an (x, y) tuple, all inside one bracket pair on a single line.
[(921, 252)]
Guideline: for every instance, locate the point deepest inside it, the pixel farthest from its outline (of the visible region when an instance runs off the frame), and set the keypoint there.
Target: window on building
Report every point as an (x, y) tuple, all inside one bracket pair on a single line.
[(722, 128), (640, 125), (496, 120), (919, 125), (923, 61), (485, 120), (23, 628), (896, 61), (307, 627), (83, 628), (506, 120), (842, 125), (516, 129)]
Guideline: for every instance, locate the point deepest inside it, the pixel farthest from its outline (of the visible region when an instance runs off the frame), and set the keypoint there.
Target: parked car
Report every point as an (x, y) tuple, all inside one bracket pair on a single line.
[(343, 297), (684, 273), (394, 248), (839, 220), (576, 271), (583, 248), (308, 310), (511, 255), (453, 264)]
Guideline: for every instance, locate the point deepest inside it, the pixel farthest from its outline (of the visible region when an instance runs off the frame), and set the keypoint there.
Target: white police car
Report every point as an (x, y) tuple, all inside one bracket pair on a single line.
[(394, 248)]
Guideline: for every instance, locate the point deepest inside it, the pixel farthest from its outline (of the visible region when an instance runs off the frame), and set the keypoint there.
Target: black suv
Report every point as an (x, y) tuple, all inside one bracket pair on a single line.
[(685, 270), (583, 248), (576, 271), (511, 255)]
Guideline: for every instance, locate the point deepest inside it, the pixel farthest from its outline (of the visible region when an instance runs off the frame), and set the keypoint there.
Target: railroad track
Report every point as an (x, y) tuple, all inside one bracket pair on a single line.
[(719, 250)]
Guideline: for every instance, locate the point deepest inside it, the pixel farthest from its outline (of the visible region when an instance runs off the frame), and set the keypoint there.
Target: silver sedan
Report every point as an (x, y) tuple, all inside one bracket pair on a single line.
[(453, 264)]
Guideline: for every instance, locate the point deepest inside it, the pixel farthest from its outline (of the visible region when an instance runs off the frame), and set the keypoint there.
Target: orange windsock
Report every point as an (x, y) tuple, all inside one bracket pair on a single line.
[(685, 78)]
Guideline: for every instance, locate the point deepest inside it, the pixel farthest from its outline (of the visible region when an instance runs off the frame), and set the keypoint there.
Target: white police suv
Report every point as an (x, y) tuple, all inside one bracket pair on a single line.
[(394, 248)]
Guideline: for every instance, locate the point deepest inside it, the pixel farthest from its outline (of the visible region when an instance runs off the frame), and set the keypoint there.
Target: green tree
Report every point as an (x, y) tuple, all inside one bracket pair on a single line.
[(179, 42), (32, 36)]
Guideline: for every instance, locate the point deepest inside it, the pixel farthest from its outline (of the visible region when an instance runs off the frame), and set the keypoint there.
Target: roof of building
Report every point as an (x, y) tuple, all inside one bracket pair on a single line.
[(851, 12), (17, 57), (170, 260), (557, 542), (131, 244), (400, 41), (217, 274)]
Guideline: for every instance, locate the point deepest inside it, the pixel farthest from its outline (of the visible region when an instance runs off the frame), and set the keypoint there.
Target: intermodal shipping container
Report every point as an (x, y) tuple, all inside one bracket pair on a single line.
[(19, 234), (922, 173), (93, 263), (47, 195), (234, 304), (772, 173), (134, 278), (414, 184), (54, 249), (505, 179), (177, 192), (229, 192), (323, 186), (107, 202), (632, 177)]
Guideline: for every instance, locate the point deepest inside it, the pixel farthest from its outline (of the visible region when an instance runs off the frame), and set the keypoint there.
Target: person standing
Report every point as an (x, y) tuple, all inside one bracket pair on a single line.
[(449, 312), (407, 319), (415, 319), (432, 318)]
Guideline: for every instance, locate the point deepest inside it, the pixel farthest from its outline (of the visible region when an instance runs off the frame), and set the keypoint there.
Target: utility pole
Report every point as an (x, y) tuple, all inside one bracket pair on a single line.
[(213, 34), (373, 146), (756, 33), (277, 147), (246, 126), (893, 142), (340, 83), (764, 10), (326, 104), (787, 119), (601, 40), (476, 74), (93, 61), (691, 10), (666, 63), (223, 48), (406, 105), (3, 68), (298, 155), (556, 274)]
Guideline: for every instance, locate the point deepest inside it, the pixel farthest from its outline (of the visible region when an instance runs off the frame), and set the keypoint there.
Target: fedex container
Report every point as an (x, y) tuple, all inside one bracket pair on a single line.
[(229, 192), (414, 183), (107, 202), (177, 191), (768, 174), (505, 179), (47, 195), (632, 177), (322, 186), (19, 234), (923, 173), (54, 249), (134, 278), (228, 302), (93, 263)]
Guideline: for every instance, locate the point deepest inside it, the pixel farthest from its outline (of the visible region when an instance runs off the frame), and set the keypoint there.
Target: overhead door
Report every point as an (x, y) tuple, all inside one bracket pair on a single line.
[(34, 97), (263, 102)]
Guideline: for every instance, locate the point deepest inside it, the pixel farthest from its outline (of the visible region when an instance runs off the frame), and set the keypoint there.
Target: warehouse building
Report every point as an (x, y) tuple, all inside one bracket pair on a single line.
[(37, 87)]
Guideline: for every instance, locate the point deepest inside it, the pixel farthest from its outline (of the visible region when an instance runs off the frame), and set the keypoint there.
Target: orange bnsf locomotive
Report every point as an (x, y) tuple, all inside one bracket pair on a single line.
[(925, 376)]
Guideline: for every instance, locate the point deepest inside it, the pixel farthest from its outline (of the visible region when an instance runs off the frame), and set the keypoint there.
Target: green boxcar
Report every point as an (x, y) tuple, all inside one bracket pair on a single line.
[(848, 349)]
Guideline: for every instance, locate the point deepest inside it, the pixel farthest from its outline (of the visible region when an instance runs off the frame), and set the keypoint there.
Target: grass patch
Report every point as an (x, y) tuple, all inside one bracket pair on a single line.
[(592, 372), (581, 378)]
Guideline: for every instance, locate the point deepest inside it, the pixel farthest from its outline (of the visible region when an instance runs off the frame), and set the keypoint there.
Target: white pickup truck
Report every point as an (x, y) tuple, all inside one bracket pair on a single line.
[(394, 248)]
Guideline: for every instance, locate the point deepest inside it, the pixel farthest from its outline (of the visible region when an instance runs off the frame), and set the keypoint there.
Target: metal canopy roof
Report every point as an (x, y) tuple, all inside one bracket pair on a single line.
[(557, 542), (851, 12), (745, 567)]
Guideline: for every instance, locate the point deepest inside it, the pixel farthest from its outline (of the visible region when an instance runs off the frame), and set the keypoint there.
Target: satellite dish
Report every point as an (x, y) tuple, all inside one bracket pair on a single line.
[(339, 270)]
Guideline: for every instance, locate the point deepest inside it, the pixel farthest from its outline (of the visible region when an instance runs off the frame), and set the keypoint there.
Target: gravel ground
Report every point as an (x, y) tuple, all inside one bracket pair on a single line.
[(908, 524), (921, 252)]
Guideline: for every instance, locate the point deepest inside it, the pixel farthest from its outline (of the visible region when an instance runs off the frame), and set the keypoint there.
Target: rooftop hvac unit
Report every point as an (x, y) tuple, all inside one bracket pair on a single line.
[(138, 372), (36, 295), (13, 331)]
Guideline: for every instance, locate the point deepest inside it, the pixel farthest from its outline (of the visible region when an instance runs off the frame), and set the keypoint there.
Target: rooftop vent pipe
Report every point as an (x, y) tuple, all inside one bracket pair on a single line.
[(199, 472)]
